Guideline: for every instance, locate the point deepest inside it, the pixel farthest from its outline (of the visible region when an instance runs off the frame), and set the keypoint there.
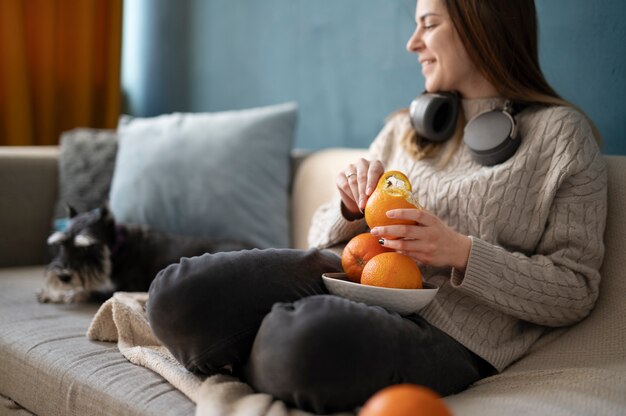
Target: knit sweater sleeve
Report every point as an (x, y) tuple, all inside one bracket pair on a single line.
[(328, 226), (558, 284)]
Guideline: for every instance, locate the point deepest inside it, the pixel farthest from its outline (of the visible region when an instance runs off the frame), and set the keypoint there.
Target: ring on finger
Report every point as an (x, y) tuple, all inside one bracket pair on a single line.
[(348, 175)]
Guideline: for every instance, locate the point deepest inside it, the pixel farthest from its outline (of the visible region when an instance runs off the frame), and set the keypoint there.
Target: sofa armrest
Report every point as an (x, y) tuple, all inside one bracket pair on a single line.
[(314, 185), (28, 189)]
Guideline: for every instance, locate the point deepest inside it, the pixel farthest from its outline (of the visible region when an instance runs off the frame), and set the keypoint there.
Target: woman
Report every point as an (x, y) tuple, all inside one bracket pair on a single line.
[(515, 247)]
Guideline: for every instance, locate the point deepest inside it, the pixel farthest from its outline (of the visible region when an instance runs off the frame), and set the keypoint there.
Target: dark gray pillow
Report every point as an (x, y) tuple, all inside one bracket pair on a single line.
[(86, 164)]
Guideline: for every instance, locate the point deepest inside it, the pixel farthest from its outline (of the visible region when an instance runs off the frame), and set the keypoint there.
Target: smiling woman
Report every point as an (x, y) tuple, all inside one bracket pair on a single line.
[(490, 60), (512, 245), (59, 68)]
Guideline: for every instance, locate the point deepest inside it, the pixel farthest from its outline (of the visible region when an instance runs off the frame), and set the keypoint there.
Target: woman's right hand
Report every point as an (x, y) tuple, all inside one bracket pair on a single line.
[(356, 183)]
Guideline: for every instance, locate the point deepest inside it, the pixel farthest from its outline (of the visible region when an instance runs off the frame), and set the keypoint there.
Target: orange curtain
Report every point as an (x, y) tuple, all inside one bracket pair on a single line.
[(59, 68)]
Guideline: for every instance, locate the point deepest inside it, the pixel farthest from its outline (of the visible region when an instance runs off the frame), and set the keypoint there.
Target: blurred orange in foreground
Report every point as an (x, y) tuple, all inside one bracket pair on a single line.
[(392, 270), (405, 400), (359, 250)]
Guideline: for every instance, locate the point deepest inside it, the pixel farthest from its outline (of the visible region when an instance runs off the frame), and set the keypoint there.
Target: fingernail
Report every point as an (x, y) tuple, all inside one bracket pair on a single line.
[(381, 241), (369, 190)]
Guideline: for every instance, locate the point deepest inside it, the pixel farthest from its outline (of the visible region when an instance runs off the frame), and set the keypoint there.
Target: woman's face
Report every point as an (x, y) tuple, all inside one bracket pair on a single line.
[(446, 65)]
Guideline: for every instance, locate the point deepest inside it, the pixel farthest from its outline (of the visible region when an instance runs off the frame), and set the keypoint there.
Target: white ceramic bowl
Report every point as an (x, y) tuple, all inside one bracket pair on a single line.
[(403, 301)]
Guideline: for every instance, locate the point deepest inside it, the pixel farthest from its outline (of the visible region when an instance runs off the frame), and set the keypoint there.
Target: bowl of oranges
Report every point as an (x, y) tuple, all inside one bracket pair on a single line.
[(403, 301), (377, 275)]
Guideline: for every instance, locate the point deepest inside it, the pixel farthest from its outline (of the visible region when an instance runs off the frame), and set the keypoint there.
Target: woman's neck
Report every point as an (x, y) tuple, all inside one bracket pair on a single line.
[(478, 87)]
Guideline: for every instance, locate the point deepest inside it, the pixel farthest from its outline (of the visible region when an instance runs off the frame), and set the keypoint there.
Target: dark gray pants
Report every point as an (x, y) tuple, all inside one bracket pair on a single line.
[(267, 314)]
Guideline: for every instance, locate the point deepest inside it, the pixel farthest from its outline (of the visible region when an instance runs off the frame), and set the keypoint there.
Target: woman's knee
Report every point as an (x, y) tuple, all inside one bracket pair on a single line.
[(185, 315), (206, 310), (323, 353)]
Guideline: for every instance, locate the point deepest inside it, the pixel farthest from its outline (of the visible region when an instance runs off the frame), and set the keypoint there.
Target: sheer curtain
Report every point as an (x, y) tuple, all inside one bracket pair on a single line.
[(156, 56), (59, 68)]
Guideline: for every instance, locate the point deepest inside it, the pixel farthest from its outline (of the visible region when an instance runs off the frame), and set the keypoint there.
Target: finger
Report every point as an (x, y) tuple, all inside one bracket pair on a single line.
[(376, 169), (362, 172), (422, 258), (345, 191), (352, 178), (348, 202), (420, 216), (400, 245), (343, 184), (406, 231), (416, 256), (412, 248)]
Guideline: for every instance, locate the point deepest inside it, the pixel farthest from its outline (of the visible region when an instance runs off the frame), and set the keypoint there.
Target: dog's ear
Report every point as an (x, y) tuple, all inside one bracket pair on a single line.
[(105, 212), (71, 211)]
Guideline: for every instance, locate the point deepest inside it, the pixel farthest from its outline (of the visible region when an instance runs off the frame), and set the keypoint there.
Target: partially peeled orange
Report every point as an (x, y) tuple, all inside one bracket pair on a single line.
[(393, 191)]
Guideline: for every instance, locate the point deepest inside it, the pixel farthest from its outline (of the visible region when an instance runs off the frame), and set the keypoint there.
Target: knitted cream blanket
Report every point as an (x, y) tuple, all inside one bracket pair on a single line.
[(123, 319)]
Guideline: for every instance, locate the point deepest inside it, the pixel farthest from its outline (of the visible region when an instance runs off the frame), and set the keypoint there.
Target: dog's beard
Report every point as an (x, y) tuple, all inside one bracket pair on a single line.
[(84, 281)]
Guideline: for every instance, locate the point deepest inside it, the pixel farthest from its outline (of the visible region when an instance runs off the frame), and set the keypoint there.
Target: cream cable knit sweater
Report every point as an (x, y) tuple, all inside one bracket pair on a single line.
[(536, 222)]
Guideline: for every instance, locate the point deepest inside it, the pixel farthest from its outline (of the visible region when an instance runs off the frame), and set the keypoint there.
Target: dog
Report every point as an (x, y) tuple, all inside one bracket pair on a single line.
[(95, 256)]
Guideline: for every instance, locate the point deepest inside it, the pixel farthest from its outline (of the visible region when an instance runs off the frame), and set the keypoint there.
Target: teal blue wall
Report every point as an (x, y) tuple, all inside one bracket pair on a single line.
[(583, 55), (343, 61)]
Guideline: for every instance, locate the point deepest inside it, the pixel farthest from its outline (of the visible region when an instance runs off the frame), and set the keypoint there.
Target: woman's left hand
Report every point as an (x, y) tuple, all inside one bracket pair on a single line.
[(430, 241)]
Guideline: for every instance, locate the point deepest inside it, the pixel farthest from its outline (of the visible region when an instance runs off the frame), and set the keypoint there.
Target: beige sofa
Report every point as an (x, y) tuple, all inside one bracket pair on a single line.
[(49, 367)]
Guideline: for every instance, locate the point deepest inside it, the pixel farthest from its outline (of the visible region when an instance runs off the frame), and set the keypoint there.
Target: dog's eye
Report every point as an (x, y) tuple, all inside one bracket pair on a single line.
[(84, 240)]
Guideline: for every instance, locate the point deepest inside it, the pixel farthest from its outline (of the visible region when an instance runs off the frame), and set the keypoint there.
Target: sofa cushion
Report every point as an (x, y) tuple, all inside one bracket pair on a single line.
[(49, 367), (28, 188), (223, 175)]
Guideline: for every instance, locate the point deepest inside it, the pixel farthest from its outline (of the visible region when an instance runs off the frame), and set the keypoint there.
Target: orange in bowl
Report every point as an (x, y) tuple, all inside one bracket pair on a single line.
[(392, 270), (359, 250)]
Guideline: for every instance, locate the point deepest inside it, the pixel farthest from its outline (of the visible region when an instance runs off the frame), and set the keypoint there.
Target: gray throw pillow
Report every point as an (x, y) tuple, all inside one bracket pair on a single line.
[(86, 164), (222, 175)]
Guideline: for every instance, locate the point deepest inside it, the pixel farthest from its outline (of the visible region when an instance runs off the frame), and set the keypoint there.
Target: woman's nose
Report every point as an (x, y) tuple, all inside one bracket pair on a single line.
[(414, 44)]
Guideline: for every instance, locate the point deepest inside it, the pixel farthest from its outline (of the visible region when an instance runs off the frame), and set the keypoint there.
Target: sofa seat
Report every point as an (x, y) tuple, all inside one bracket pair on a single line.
[(50, 366)]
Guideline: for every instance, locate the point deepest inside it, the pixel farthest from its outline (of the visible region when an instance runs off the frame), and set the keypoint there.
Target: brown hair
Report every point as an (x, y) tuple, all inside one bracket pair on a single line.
[(500, 37)]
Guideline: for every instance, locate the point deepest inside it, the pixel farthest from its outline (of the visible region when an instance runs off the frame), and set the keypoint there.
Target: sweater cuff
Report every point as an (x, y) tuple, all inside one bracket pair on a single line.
[(337, 228), (480, 266), (344, 227), (348, 215)]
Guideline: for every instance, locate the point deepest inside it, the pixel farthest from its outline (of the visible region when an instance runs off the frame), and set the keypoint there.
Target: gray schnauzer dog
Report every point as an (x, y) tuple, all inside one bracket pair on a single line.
[(96, 257)]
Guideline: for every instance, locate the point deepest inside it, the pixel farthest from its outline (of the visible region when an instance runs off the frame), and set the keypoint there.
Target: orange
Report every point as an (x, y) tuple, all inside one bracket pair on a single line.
[(358, 252), (393, 191), (405, 400), (393, 270)]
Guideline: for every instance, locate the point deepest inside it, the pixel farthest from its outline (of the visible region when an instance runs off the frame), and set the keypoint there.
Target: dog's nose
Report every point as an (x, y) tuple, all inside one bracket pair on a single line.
[(65, 277)]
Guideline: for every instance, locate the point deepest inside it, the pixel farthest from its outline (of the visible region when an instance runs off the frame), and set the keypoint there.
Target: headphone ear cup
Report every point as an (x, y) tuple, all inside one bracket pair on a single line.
[(433, 116), (491, 137)]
